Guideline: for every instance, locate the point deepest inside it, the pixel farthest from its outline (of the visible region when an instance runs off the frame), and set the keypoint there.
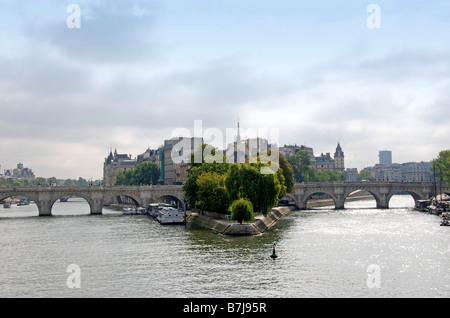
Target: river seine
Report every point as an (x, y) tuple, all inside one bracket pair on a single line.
[(356, 252)]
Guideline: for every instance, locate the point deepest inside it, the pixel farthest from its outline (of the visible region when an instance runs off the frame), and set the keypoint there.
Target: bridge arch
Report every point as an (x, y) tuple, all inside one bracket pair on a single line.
[(33, 208), (375, 195), (83, 196), (127, 199), (309, 194), (415, 195)]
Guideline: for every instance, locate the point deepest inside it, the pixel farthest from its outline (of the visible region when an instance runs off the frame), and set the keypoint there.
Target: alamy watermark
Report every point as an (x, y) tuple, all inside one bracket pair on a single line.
[(235, 149), (374, 19), (74, 279), (73, 21), (373, 276)]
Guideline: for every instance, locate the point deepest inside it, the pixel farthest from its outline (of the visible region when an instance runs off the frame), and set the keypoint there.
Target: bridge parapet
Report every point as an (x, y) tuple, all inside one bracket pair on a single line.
[(381, 191), (96, 196)]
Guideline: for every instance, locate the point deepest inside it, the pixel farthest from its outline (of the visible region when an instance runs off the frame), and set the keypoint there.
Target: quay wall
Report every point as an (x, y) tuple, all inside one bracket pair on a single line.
[(226, 227), (260, 224)]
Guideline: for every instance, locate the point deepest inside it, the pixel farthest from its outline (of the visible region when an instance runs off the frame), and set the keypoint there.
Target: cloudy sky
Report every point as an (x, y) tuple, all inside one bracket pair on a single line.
[(136, 70)]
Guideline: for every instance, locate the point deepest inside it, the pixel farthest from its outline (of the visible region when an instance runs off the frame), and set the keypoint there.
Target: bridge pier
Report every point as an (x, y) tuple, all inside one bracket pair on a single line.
[(44, 207), (96, 202), (97, 206)]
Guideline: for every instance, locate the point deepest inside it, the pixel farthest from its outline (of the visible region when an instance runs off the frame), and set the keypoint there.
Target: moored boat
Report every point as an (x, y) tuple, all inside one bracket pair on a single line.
[(422, 205), (154, 209), (170, 215), (131, 211), (445, 219), (6, 205)]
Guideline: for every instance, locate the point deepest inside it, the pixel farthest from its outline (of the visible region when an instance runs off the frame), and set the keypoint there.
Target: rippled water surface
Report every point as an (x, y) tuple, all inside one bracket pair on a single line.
[(322, 253)]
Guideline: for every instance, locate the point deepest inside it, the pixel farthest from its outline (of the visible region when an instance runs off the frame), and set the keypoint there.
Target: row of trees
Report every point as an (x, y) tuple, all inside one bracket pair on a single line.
[(237, 188), (144, 173), (9, 182)]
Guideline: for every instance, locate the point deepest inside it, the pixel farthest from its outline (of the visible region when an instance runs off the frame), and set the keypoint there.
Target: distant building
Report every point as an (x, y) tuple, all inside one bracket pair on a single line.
[(290, 150), (115, 163), (385, 157), (176, 172), (405, 172), (19, 173), (320, 163), (326, 162), (351, 174), (242, 149)]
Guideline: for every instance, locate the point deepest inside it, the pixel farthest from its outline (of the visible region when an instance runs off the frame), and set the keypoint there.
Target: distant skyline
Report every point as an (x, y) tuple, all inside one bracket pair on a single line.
[(136, 70)]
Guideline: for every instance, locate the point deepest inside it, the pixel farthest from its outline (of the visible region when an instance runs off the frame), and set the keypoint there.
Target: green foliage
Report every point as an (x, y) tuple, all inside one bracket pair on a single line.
[(303, 172), (211, 192), (190, 187), (207, 153), (9, 182), (365, 174), (300, 163), (145, 173), (328, 175), (242, 210), (246, 181), (288, 173), (442, 164)]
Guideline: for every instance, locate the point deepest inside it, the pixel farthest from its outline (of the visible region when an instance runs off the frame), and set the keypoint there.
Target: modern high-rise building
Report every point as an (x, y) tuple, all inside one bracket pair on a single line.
[(385, 157)]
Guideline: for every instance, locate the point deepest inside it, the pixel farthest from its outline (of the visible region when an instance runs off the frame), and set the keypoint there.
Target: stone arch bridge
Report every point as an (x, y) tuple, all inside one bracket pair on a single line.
[(96, 196), (381, 191)]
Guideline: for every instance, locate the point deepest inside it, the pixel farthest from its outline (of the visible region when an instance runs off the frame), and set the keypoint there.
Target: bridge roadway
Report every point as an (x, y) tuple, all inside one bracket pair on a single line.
[(99, 196), (96, 196), (381, 191)]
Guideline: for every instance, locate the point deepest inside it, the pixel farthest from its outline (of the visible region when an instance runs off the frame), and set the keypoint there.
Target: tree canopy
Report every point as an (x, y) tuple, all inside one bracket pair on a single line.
[(442, 164), (214, 186), (242, 210), (145, 173), (365, 174)]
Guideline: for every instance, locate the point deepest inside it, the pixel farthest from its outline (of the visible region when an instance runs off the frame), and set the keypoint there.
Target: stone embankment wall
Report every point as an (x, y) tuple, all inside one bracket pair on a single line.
[(226, 227)]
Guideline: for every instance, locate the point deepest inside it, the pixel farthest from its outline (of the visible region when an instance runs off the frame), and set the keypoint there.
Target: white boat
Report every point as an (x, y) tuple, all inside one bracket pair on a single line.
[(141, 210), (130, 211), (154, 209), (170, 216)]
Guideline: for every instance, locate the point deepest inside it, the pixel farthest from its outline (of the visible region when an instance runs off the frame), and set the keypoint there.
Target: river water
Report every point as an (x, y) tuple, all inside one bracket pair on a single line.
[(356, 252)]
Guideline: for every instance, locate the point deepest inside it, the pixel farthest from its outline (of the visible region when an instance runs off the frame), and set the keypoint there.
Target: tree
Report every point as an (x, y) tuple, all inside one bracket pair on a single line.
[(442, 164), (328, 175), (301, 165), (242, 210), (190, 187), (246, 181), (211, 192), (145, 173), (288, 173), (365, 174)]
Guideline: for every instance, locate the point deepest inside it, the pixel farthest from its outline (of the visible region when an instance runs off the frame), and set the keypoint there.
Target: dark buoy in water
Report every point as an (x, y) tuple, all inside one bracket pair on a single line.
[(274, 254)]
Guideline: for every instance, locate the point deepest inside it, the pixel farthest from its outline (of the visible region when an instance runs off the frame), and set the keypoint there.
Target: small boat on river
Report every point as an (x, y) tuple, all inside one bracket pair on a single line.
[(445, 219), (132, 211), (169, 215), (422, 205), (6, 205)]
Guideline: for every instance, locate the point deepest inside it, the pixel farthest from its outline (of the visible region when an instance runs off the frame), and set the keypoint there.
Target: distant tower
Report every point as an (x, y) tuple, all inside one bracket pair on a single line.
[(385, 157), (238, 137), (339, 164)]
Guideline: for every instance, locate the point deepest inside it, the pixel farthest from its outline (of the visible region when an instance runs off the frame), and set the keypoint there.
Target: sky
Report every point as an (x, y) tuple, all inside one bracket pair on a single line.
[(133, 72)]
